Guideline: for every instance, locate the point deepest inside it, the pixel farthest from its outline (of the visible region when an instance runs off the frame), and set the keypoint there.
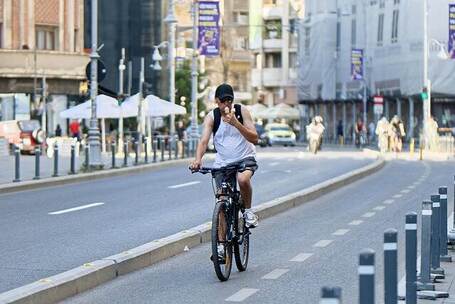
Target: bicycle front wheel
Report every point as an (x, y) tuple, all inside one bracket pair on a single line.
[(241, 244), (220, 237)]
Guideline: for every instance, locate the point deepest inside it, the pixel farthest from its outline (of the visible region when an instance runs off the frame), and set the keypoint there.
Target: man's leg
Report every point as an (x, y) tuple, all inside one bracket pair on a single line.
[(244, 180)]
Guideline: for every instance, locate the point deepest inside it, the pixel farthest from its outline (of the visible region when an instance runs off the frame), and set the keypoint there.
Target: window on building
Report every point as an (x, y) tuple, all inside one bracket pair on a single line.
[(46, 38), (396, 2), (273, 29), (381, 3), (241, 43), (338, 36), (380, 29), (354, 9), (395, 26), (292, 60), (307, 40), (273, 60), (353, 32), (240, 17)]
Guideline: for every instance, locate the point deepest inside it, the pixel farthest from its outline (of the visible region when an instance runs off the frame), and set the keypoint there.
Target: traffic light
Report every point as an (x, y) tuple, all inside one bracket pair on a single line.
[(424, 93)]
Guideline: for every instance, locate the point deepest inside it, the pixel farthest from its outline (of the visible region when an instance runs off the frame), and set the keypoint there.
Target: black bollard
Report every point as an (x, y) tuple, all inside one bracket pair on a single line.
[(170, 140), (87, 156), (55, 161), (125, 153), (17, 164), (445, 257), (183, 148), (37, 162), (113, 149), (390, 267), (146, 159), (330, 295), (136, 151), (366, 277), (176, 146), (425, 281), (154, 144), (73, 160), (411, 258), (435, 233), (162, 142)]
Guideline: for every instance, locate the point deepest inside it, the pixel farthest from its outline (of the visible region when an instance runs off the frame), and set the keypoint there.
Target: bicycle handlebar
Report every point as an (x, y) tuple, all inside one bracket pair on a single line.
[(205, 170)]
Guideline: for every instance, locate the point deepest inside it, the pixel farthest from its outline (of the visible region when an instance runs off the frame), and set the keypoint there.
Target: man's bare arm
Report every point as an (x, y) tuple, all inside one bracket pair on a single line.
[(247, 129), (206, 133)]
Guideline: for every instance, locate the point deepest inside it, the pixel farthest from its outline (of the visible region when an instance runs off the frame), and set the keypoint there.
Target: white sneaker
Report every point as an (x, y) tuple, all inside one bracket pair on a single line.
[(251, 219), (220, 250)]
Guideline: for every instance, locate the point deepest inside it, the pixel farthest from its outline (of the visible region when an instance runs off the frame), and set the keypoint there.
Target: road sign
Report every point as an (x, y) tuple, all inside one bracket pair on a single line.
[(378, 102), (101, 71)]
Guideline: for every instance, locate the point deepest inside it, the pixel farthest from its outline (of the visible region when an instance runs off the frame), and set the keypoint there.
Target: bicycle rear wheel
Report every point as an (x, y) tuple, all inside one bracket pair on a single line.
[(241, 244), (220, 233)]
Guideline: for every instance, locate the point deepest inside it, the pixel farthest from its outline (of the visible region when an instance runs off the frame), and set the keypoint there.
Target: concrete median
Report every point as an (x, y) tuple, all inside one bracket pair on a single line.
[(90, 275)]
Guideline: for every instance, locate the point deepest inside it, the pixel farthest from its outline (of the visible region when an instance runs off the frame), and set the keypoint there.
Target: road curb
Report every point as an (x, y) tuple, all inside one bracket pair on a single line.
[(68, 179), (90, 275)]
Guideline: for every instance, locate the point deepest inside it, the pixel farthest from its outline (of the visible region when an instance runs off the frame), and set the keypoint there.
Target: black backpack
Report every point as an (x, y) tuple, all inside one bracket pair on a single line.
[(217, 117)]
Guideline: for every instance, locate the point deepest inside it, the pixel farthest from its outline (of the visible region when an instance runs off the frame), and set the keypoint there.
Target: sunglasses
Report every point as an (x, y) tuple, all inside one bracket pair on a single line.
[(226, 99)]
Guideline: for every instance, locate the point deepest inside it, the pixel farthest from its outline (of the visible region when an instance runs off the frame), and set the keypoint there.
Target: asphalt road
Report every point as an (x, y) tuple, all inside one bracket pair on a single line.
[(42, 233), (330, 232)]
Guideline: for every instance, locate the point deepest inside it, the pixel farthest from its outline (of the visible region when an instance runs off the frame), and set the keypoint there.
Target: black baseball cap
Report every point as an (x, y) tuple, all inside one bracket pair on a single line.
[(224, 91)]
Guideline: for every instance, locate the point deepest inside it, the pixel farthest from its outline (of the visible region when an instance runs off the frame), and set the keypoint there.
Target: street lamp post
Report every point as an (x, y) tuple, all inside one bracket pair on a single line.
[(121, 69), (426, 81), (194, 74), (94, 133), (171, 21)]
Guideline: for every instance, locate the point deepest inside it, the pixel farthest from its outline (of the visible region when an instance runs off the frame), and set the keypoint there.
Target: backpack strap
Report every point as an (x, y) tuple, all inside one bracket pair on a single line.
[(217, 117)]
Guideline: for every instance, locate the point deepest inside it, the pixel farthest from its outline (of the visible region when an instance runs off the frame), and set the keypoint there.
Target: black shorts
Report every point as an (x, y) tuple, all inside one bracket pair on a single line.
[(250, 164)]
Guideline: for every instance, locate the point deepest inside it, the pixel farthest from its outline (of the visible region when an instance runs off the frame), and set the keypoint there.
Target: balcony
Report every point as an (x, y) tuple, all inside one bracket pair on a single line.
[(273, 43), (271, 77), (272, 12), (21, 64)]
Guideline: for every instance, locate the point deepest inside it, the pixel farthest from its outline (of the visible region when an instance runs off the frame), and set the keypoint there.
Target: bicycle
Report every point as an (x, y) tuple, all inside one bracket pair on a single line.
[(232, 232)]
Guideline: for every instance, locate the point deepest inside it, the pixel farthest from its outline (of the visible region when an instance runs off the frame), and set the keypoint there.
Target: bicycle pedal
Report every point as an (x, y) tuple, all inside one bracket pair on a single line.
[(220, 260)]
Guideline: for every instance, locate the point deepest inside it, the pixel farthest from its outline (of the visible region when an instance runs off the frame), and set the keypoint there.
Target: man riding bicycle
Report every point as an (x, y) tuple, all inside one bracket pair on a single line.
[(234, 136)]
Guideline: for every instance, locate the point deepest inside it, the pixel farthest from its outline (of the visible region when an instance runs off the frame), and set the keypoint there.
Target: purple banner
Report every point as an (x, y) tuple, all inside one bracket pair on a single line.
[(209, 30), (357, 64), (452, 31)]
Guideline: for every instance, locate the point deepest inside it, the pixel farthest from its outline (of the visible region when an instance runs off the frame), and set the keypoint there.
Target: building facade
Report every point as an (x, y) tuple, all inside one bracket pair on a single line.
[(390, 35), (41, 46), (273, 41)]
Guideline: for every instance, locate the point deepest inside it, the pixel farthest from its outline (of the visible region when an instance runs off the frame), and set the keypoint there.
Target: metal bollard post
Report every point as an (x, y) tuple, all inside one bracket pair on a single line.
[(366, 277), (169, 142), (187, 149), (435, 233), (162, 148), (425, 282), (183, 148), (113, 149), (37, 164), (17, 165), (87, 156), (55, 161), (73, 160), (136, 151), (411, 258), (176, 145), (154, 145), (330, 295), (445, 257), (146, 158), (390, 267), (125, 153)]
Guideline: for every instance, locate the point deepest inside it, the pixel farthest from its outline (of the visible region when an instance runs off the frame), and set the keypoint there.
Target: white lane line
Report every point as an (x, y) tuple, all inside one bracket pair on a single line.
[(379, 208), (184, 185), (411, 187), (301, 257), (388, 202), (242, 294), (274, 164), (341, 232), (356, 222), (323, 243), (288, 171), (405, 191), (264, 171), (275, 274), (369, 214), (75, 208), (397, 195)]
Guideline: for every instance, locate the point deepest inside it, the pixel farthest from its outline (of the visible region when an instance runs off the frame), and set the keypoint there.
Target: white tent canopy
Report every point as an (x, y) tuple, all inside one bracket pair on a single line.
[(106, 107), (154, 106), (258, 110), (282, 110)]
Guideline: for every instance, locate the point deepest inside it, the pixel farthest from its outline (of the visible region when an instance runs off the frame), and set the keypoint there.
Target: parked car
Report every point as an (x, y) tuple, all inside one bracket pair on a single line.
[(279, 134), (27, 134), (261, 135)]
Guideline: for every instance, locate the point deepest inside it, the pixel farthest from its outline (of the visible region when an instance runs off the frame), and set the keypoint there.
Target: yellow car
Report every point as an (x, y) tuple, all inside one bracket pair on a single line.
[(278, 134)]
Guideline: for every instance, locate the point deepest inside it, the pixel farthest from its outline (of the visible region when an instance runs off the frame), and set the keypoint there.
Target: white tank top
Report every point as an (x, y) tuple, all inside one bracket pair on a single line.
[(230, 145)]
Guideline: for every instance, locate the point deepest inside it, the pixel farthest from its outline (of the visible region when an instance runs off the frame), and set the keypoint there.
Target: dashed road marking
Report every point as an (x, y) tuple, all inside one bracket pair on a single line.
[(388, 201), (264, 171), (301, 257), (323, 243), (288, 171), (341, 232), (275, 274), (405, 191), (411, 187), (397, 195), (356, 222), (369, 214), (242, 294), (274, 164), (75, 209), (184, 185)]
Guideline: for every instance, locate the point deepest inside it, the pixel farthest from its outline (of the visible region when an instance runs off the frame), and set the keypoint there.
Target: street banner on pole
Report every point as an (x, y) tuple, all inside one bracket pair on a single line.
[(357, 64), (452, 31), (209, 30)]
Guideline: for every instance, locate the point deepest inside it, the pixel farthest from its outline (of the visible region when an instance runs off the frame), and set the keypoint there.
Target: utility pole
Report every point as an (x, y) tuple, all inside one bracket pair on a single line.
[(171, 21), (194, 74), (121, 68), (426, 81), (94, 132), (44, 98)]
